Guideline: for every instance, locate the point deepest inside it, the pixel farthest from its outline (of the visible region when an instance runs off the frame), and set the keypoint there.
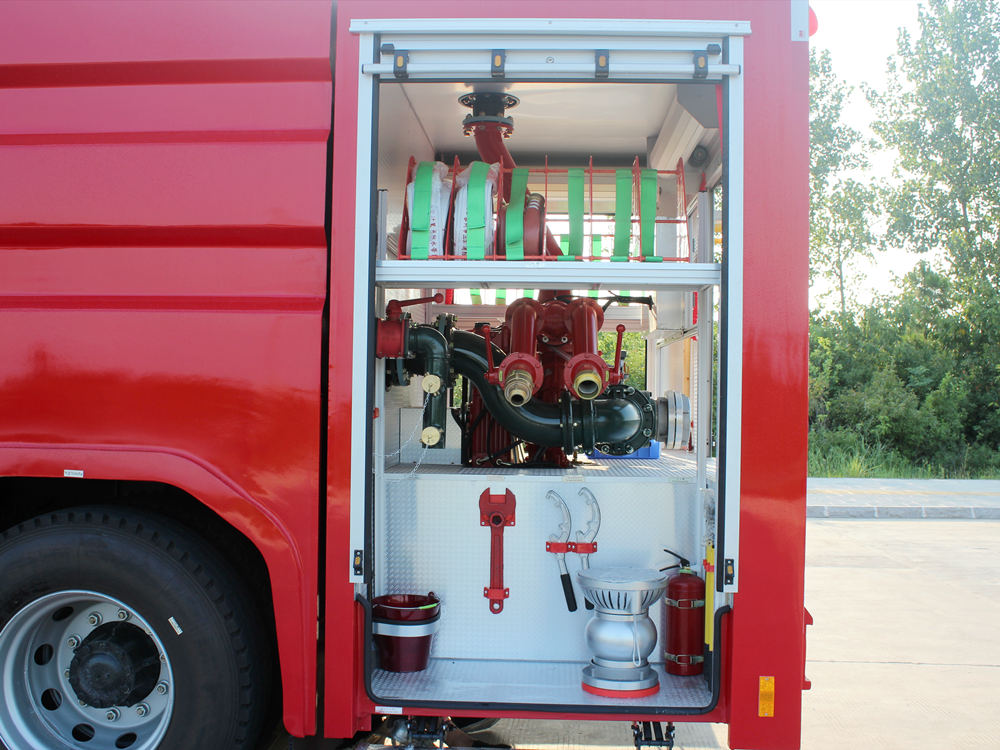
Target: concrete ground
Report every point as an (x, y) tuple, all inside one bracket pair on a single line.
[(904, 498), (905, 650)]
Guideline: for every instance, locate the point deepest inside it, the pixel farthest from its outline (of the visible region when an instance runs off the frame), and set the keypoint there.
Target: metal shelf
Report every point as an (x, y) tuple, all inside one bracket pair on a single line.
[(463, 274)]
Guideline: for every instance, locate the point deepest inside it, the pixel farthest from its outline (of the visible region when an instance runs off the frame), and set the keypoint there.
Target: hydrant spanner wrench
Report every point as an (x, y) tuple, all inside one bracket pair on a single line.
[(558, 544), (585, 544)]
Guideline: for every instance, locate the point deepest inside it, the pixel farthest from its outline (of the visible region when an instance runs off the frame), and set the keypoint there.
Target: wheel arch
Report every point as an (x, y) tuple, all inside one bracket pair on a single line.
[(35, 479)]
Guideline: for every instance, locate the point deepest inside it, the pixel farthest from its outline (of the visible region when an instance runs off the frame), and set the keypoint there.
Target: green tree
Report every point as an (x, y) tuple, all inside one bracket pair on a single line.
[(840, 205), (941, 115)]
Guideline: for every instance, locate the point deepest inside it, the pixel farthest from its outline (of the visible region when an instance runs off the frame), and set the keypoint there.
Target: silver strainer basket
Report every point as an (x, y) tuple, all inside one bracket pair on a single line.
[(625, 591)]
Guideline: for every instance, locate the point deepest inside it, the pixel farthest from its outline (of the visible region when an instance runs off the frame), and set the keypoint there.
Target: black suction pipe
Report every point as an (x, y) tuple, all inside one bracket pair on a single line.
[(574, 425)]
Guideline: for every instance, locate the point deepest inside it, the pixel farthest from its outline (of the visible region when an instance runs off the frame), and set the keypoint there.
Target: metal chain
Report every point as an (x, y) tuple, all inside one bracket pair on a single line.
[(416, 429)]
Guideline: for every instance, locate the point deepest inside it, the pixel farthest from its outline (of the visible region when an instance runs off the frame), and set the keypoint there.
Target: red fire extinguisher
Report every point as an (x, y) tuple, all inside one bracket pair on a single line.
[(685, 622)]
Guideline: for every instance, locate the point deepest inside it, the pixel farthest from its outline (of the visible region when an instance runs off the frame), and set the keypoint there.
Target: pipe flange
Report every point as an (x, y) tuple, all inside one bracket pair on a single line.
[(488, 102), (647, 425), (488, 107)]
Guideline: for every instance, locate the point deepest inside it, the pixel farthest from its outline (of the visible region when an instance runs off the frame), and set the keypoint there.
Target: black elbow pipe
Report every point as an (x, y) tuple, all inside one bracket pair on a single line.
[(620, 423), (430, 346)]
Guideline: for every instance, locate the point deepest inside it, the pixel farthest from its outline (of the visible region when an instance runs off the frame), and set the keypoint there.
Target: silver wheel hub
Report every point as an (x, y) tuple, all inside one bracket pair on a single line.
[(80, 669)]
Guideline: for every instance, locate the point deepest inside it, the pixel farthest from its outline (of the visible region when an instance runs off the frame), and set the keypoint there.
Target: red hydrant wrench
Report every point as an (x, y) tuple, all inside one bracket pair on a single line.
[(497, 512)]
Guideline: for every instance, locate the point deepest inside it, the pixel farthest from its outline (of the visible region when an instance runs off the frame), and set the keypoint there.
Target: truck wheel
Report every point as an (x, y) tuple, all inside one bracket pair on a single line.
[(121, 630)]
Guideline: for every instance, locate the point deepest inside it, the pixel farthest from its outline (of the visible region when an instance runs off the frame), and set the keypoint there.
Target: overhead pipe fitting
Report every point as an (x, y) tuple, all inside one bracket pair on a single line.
[(489, 126)]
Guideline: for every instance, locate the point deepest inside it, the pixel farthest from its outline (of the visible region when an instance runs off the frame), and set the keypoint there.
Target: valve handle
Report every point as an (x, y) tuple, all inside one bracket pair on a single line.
[(619, 376), (394, 307), (492, 376)]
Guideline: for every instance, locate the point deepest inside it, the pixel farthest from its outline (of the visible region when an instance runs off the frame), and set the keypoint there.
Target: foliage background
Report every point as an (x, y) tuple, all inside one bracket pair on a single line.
[(909, 385)]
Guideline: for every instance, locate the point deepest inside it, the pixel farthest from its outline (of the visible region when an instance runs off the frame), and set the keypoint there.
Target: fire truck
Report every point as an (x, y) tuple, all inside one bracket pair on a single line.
[(401, 364)]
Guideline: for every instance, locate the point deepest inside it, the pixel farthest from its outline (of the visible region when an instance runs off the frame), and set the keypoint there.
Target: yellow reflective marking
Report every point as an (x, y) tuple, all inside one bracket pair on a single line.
[(765, 699)]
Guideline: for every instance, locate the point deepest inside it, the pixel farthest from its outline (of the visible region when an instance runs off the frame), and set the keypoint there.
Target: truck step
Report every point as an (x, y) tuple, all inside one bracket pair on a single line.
[(652, 734)]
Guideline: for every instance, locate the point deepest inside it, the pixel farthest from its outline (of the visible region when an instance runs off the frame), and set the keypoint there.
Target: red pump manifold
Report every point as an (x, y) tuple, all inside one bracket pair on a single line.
[(685, 623), (586, 374), (521, 372)]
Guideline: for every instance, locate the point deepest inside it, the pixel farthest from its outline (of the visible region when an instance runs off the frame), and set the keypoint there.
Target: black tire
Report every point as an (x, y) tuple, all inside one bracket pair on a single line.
[(220, 662)]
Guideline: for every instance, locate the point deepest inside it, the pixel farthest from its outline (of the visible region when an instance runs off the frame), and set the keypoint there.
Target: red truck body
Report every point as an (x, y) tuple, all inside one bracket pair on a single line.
[(177, 269)]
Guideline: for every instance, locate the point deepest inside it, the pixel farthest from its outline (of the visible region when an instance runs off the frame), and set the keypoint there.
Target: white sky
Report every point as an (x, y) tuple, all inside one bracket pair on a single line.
[(861, 35)]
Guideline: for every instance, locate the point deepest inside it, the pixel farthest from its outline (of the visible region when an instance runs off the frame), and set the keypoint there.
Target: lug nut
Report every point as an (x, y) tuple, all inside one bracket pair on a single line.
[(141, 710), (112, 714), (73, 641), (123, 615), (66, 673), (94, 618), (161, 688)]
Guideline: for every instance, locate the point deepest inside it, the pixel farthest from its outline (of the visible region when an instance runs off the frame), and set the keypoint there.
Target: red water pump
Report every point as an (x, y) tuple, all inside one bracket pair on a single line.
[(685, 622)]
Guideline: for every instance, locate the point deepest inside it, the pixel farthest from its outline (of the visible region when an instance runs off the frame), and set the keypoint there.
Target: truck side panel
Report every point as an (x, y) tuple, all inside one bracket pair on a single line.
[(765, 627), (162, 267)]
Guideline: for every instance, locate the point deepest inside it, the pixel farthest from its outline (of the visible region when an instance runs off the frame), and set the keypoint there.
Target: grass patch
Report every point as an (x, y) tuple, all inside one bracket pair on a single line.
[(839, 453)]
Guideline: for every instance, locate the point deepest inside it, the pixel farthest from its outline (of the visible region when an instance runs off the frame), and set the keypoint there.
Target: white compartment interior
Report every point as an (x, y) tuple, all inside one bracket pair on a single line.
[(426, 518)]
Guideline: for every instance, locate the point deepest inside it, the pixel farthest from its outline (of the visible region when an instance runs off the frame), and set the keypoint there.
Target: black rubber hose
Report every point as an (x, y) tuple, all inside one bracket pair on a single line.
[(571, 425)]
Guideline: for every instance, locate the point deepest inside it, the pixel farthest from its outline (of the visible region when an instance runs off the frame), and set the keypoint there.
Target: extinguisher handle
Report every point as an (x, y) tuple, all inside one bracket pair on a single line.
[(567, 584)]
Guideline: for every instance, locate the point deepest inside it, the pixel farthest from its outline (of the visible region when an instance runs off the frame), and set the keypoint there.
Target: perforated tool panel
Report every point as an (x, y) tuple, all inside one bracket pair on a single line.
[(430, 539)]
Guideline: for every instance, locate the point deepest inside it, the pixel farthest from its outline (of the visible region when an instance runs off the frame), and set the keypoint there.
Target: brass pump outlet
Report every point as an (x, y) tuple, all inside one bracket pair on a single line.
[(588, 385), (431, 383), (430, 436), (518, 386)]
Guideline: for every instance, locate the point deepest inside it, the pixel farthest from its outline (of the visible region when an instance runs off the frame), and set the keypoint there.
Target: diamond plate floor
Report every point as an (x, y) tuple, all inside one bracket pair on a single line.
[(543, 683)]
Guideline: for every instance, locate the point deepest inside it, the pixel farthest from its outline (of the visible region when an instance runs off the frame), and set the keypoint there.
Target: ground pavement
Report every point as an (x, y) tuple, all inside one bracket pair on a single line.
[(903, 581)]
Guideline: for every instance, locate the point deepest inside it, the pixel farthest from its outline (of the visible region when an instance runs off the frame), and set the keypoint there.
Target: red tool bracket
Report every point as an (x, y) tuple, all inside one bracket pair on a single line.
[(497, 512), (579, 548)]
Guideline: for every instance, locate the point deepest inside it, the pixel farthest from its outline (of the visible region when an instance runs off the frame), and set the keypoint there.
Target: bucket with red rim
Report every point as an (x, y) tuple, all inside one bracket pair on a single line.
[(403, 626)]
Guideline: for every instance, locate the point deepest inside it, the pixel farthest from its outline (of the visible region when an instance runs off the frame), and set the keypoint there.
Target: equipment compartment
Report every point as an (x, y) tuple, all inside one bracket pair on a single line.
[(479, 291)]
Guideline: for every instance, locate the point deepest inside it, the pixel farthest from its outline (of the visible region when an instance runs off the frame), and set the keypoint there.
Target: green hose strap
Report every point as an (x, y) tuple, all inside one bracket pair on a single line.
[(475, 211), (420, 211), (514, 227), (575, 211), (564, 241), (647, 211), (623, 211)]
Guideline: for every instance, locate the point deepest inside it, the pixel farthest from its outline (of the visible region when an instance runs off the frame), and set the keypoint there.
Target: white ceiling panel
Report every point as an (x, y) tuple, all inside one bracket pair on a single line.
[(563, 120)]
